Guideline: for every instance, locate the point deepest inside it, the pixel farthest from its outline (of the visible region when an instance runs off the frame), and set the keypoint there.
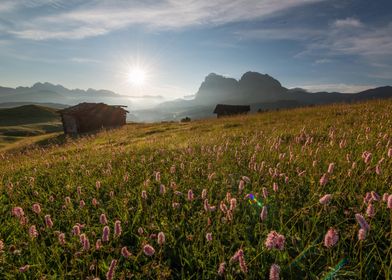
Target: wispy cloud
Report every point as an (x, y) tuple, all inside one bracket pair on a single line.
[(101, 17), (341, 87), (347, 23)]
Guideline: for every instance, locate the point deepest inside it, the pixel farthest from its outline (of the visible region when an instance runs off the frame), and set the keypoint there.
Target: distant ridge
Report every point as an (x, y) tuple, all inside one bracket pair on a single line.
[(28, 114)]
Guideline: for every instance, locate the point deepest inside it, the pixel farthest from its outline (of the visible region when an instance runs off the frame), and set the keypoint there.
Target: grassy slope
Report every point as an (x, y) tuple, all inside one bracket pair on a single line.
[(124, 162), (29, 120)]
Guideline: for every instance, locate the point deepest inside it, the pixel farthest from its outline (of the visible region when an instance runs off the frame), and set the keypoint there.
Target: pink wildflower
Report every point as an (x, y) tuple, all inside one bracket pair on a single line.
[(176, 205), (223, 207), (112, 268), (375, 196), (385, 197), (263, 213), (144, 194), (233, 204), (275, 187), (241, 186), (275, 240), (158, 176), (97, 185), (18, 212), (105, 234), (265, 192), (161, 238), (190, 195), (325, 199), (24, 268), (36, 208), (246, 179), (274, 272), (331, 238), (162, 189), (86, 244), (98, 244), (125, 253), (61, 238), (1, 245), (237, 255), (324, 179), (117, 228), (48, 221), (389, 202), (390, 152), (204, 194), (33, 232), (82, 203), (362, 222), (221, 268), (67, 200), (94, 202), (148, 250), (76, 230), (361, 234), (242, 262), (209, 236), (370, 211), (140, 231), (103, 220), (331, 168)]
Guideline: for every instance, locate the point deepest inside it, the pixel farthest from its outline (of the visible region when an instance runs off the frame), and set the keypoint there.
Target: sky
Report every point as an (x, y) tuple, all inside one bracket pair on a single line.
[(343, 45)]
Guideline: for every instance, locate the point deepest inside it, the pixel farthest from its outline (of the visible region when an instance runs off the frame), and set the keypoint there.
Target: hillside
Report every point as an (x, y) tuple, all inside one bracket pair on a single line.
[(181, 200), (28, 114)]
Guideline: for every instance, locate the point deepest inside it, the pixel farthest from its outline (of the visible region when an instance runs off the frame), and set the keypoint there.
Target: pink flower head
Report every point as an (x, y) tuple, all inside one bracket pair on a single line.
[(389, 202), (190, 195), (36, 208), (161, 238), (275, 187), (206, 205), (82, 203), (79, 190), (162, 189), (375, 196), (94, 202), (246, 179), (324, 179), (48, 221), (86, 244), (390, 152), (18, 212), (112, 268), (275, 240), (176, 205), (265, 192), (223, 207), (325, 199), (140, 231), (76, 230), (263, 213), (97, 185), (362, 222), (361, 234), (204, 194), (117, 228), (158, 176), (242, 262), (148, 250), (237, 255), (331, 167), (24, 268), (61, 238), (103, 220), (98, 244), (125, 253), (370, 211), (105, 234), (233, 204), (241, 186), (221, 268), (274, 272), (331, 238), (209, 236), (385, 197), (33, 232), (67, 200), (144, 194)]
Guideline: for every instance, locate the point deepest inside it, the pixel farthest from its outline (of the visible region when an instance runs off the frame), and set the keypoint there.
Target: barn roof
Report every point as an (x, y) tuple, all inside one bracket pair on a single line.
[(220, 108), (83, 107)]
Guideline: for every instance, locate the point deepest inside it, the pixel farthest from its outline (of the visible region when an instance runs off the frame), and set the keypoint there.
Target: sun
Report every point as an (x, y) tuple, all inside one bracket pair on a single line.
[(137, 76)]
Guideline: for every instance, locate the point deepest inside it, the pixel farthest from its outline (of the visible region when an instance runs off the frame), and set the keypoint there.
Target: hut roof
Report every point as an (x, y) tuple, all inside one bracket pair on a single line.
[(84, 107), (222, 108)]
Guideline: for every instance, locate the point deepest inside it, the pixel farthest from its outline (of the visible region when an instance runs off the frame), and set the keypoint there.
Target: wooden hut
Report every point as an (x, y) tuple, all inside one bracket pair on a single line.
[(228, 110), (86, 117)]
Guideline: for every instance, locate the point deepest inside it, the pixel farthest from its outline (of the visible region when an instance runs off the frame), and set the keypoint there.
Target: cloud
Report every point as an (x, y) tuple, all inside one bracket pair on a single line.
[(101, 17), (347, 23), (344, 88), (323, 61)]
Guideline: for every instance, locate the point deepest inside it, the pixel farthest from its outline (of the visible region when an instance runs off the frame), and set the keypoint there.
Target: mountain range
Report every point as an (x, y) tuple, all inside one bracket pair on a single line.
[(260, 91)]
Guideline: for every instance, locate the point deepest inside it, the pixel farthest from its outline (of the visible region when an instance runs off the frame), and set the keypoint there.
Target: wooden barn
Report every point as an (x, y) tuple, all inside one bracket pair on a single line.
[(229, 110), (86, 117)]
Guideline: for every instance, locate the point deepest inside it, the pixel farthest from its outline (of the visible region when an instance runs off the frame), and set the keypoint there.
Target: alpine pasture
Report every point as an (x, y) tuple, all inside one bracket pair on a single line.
[(297, 194)]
